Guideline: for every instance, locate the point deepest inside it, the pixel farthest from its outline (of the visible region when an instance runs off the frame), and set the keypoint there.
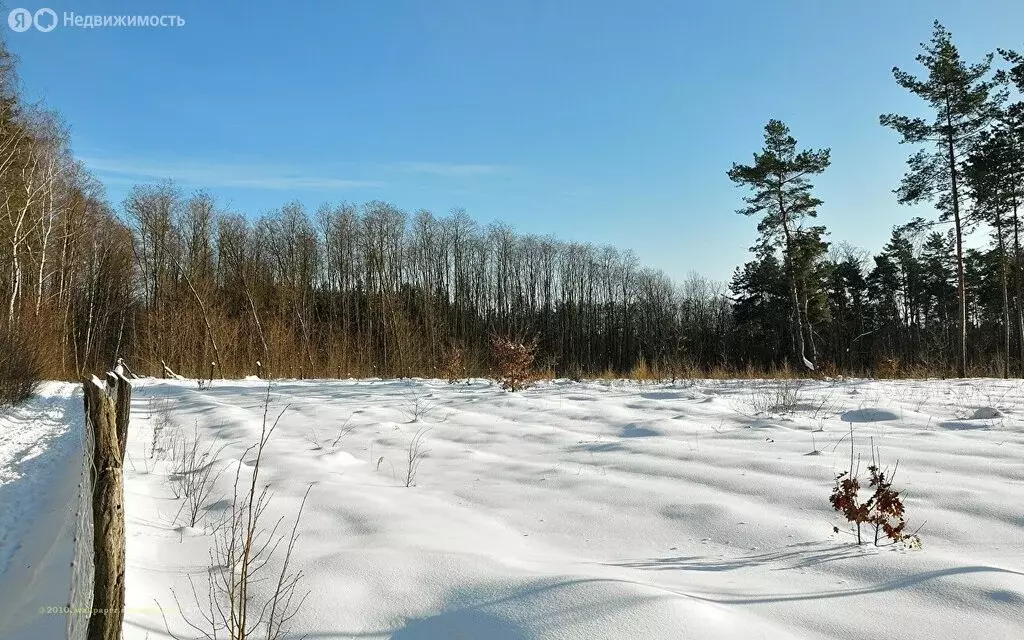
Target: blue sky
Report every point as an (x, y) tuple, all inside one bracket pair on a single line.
[(596, 121)]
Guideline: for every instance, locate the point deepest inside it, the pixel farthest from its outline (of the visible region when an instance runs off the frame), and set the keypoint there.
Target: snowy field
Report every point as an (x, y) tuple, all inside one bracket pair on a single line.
[(571, 510)]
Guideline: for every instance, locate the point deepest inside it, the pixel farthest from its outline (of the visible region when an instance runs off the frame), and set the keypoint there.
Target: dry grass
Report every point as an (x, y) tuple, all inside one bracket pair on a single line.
[(888, 368), (21, 367), (453, 365), (778, 397)]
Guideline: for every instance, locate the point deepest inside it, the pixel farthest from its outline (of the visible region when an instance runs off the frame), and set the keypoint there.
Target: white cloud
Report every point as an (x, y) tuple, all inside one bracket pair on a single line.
[(202, 173), (447, 169), (213, 175)]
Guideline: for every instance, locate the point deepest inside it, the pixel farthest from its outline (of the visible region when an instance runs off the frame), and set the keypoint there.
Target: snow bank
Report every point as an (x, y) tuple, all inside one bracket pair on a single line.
[(40, 467)]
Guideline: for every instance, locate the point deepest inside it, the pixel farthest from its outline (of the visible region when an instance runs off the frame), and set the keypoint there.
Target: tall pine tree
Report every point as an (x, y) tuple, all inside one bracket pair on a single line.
[(782, 194), (990, 176), (962, 98), (1010, 129)]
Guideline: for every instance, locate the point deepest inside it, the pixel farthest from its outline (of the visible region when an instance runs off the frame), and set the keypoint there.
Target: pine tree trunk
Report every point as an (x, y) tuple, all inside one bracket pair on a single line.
[(798, 330), (961, 282), (1006, 296), (807, 323), (1018, 285)]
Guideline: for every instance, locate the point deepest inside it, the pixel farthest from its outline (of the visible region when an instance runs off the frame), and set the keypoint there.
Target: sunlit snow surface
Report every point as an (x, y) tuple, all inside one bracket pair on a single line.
[(600, 509)]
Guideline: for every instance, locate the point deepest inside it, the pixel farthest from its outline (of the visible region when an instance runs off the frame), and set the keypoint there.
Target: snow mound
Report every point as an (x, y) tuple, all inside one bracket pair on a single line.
[(579, 608), (343, 458), (868, 415), (986, 413), (639, 431)]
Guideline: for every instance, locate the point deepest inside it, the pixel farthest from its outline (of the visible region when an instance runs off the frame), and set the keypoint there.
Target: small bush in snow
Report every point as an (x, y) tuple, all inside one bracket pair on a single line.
[(416, 454), (418, 406), (780, 396), (513, 360), (642, 371), (194, 475), (453, 365), (247, 595), (886, 507), (845, 500), (883, 510)]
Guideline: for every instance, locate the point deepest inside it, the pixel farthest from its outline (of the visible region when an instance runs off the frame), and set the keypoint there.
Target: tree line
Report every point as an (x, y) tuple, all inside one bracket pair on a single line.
[(925, 301), (172, 281)]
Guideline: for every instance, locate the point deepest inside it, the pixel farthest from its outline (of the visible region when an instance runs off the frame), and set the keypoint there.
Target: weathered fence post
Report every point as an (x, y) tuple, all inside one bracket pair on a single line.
[(108, 418), (123, 405)]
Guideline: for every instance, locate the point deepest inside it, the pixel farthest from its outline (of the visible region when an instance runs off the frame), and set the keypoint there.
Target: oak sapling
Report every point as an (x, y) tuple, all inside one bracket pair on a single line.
[(887, 512), (845, 500), (514, 361), (883, 510)]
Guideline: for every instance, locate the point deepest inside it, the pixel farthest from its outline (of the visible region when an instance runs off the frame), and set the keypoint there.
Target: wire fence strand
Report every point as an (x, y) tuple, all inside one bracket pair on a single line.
[(80, 593)]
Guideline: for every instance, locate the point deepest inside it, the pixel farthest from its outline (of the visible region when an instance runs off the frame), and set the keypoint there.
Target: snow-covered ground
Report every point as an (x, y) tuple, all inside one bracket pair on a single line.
[(595, 510), (40, 467)]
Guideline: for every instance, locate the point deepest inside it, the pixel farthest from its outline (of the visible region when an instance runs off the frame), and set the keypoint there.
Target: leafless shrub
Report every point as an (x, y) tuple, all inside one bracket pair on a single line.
[(963, 401), (416, 454), (314, 439), (163, 439), (453, 365), (997, 398), (814, 446), (346, 428), (21, 368), (194, 475), (822, 407), (888, 368), (418, 406), (779, 396), (644, 372), (243, 549), (921, 399), (513, 360)]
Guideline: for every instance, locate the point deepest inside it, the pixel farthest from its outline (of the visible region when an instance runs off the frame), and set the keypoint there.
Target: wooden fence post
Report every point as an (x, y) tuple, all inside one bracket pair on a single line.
[(122, 389), (108, 418)]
